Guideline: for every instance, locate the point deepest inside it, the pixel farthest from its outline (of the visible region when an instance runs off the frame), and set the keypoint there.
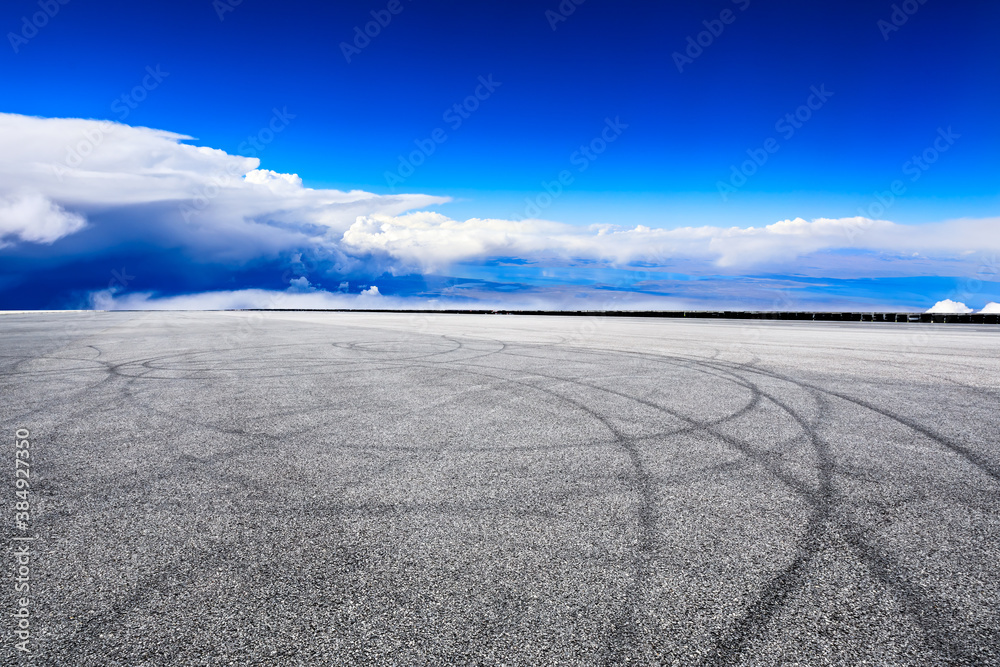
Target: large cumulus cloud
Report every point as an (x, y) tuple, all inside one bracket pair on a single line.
[(430, 241), (78, 194), (195, 196)]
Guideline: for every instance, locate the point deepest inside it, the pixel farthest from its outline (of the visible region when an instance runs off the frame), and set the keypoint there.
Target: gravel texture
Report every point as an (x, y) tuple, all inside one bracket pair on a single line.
[(397, 489)]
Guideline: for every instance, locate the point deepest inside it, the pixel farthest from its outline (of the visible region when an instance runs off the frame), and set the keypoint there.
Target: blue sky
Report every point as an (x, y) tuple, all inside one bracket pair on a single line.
[(699, 115)]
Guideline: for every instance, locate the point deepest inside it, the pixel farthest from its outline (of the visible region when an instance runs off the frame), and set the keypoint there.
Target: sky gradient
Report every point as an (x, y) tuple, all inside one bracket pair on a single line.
[(727, 154)]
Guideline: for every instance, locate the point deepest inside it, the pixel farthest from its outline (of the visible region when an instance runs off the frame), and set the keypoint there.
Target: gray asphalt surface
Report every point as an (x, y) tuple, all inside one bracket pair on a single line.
[(394, 489)]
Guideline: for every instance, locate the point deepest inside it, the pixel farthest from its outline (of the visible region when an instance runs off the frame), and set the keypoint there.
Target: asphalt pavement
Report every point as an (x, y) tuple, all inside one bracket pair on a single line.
[(406, 489)]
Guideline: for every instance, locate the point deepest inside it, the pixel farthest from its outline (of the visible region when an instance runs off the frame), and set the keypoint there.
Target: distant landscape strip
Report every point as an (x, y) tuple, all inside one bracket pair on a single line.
[(800, 316), (811, 316)]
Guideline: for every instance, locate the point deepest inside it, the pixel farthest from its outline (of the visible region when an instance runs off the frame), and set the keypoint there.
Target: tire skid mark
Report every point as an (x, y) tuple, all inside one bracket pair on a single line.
[(775, 593), (695, 425), (733, 642), (363, 348), (984, 466), (183, 463), (777, 590), (920, 605), (917, 603), (626, 633)]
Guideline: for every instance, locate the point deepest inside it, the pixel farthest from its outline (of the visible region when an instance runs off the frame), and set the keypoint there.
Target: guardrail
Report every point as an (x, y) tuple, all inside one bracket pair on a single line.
[(926, 318)]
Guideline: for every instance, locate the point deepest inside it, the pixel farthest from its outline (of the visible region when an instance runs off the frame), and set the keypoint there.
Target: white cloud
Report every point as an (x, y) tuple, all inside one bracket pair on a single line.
[(429, 241), (372, 298), (950, 307), (301, 285), (273, 178), (137, 185), (32, 218), (991, 308), (227, 300)]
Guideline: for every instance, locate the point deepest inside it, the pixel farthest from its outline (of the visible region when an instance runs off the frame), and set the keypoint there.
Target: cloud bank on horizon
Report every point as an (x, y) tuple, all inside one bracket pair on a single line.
[(85, 204), (949, 307)]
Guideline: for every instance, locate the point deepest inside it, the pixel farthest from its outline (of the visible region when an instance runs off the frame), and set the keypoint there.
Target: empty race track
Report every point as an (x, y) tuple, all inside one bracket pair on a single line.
[(349, 488)]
